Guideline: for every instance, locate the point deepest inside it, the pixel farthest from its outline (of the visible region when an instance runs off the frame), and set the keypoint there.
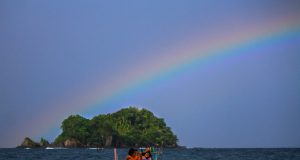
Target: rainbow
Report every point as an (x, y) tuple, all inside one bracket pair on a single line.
[(184, 60), (176, 62)]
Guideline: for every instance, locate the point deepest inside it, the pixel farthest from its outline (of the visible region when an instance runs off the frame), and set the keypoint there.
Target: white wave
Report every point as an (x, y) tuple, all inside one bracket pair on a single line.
[(55, 148)]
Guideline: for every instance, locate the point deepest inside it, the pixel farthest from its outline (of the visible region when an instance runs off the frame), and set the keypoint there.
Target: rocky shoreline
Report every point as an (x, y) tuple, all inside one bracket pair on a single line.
[(69, 143)]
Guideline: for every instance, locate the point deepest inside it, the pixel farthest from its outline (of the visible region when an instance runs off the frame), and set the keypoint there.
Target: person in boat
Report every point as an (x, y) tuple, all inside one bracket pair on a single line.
[(146, 155), (133, 154)]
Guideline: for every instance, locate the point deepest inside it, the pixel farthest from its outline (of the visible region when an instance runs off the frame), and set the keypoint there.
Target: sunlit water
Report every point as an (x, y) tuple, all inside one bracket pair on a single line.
[(168, 154)]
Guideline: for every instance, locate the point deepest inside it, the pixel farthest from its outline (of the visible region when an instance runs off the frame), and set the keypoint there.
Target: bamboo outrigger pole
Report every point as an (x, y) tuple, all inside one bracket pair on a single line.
[(115, 154)]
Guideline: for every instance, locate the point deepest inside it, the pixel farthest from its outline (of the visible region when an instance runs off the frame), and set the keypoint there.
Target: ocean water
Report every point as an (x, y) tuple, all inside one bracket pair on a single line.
[(168, 154)]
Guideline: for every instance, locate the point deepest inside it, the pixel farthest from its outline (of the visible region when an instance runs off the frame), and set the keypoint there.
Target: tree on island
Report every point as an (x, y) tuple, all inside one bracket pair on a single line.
[(128, 127), (44, 142)]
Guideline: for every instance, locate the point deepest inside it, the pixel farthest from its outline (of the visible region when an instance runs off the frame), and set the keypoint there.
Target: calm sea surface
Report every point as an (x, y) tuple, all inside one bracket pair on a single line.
[(168, 154)]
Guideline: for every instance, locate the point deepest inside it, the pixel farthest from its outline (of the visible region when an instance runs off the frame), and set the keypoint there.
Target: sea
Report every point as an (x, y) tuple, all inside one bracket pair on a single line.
[(167, 154)]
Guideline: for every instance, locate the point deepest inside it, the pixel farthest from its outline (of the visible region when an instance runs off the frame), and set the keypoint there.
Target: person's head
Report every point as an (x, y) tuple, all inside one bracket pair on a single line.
[(136, 152), (131, 151), (148, 154)]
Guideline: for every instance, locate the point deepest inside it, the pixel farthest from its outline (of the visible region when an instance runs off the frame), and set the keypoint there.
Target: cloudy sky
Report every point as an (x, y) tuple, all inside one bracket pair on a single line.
[(221, 74)]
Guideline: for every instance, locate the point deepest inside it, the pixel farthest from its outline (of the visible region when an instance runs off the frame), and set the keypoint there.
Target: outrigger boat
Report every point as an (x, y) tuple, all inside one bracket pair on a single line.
[(155, 152)]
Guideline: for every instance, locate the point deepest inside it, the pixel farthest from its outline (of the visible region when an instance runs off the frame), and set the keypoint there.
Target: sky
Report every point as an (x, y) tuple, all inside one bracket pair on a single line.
[(221, 73)]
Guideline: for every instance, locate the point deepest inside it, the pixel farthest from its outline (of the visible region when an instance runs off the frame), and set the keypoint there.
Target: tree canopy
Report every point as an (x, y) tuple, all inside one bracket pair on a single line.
[(127, 127)]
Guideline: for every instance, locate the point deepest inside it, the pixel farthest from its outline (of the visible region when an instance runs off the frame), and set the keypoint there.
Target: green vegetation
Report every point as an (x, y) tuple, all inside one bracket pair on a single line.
[(27, 142), (43, 142), (125, 128)]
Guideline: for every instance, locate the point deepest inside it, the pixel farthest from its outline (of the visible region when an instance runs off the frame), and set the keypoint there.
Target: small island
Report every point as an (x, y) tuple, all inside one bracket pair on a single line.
[(128, 127)]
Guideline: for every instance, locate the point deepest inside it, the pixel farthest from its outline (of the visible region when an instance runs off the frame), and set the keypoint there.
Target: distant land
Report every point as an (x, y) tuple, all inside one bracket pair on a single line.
[(128, 127)]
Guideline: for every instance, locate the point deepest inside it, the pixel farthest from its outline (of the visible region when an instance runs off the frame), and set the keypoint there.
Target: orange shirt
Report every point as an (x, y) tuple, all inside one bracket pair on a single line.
[(133, 158)]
